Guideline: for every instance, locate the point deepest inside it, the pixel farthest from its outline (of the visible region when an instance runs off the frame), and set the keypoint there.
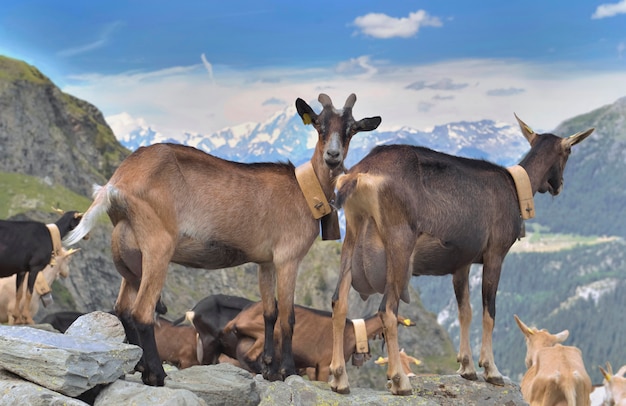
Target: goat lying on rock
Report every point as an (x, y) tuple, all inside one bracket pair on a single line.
[(312, 338), (614, 386), (556, 374), (27, 247), (405, 359), (414, 211), (173, 203)]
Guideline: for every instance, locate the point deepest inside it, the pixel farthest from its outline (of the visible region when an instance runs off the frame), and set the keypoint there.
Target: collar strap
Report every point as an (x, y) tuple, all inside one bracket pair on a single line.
[(55, 235), (524, 191), (362, 345), (312, 190)]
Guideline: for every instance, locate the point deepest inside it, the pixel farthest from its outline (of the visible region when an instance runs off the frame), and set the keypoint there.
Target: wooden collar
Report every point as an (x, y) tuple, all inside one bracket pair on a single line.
[(362, 345), (524, 191)]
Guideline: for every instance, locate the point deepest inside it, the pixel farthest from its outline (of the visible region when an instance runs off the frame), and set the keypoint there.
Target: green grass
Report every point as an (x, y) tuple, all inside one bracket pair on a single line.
[(13, 69), (21, 193)]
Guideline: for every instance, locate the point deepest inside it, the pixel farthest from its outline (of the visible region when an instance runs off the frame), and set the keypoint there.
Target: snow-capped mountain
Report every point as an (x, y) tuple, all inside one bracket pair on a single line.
[(284, 137)]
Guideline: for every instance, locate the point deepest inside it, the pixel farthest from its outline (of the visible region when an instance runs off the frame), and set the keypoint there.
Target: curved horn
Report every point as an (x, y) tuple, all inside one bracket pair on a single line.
[(325, 100), (525, 329), (605, 374), (69, 252), (350, 101), (57, 210)]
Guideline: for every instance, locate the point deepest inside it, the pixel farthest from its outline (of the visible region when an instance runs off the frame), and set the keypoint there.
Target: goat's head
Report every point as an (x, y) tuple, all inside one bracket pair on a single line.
[(555, 146), (63, 261), (614, 385), (335, 128), (537, 339)]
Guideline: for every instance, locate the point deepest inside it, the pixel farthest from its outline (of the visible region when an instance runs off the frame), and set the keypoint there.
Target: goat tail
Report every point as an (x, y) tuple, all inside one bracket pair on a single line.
[(367, 185), (100, 204)]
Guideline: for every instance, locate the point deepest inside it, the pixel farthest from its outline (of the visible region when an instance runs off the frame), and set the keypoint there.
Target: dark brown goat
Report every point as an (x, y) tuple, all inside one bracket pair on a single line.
[(312, 338), (411, 210), (171, 203), (177, 345)]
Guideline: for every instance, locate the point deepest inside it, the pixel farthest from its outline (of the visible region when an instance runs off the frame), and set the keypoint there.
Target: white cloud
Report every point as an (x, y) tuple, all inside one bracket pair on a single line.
[(180, 99), (380, 25), (102, 40), (609, 10), (356, 66), (509, 91), (207, 66)]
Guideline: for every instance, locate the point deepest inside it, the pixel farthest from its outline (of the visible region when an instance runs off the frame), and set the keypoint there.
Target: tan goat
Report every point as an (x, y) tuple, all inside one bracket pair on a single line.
[(172, 203), (556, 374), (614, 386), (13, 312), (405, 360)]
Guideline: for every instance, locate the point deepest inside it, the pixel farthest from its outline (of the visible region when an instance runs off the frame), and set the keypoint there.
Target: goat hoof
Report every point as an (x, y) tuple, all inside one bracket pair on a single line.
[(470, 376), (152, 379), (342, 391), (272, 376), (495, 380)]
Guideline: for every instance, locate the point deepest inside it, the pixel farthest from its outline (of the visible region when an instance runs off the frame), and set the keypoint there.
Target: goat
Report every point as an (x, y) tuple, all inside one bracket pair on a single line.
[(208, 317), (312, 334), (61, 321), (405, 360), (614, 386), (24, 310), (414, 211), (173, 203), (176, 345), (27, 247), (556, 374)]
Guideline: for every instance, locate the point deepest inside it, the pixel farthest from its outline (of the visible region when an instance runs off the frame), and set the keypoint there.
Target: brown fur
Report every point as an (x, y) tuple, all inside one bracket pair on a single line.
[(556, 374), (171, 203), (312, 338), (413, 211), (177, 345)]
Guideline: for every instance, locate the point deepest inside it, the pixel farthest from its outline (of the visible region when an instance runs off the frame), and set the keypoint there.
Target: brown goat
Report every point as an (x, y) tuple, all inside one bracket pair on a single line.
[(556, 374), (414, 211), (172, 203), (312, 338), (177, 345), (614, 386)]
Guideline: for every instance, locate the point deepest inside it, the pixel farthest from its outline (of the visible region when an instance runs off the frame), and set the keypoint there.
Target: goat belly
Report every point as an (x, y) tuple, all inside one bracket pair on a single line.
[(209, 255)]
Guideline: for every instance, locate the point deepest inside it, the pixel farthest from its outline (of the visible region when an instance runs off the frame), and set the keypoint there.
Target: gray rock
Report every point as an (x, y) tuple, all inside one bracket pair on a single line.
[(16, 391), (131, 393), (98, 326), (66, 364)]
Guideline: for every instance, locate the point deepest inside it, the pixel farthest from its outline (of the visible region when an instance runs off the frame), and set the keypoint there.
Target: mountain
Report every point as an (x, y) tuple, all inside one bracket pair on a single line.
[(50, 134), (283, 136)]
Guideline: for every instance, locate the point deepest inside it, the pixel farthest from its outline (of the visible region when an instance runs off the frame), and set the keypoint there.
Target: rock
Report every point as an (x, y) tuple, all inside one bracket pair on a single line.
[(131, 393), (66, 364), (98, 326), (16, 391)]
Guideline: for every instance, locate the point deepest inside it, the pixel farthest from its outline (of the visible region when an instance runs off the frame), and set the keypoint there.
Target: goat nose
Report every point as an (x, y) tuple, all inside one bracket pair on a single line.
[(333, 153)]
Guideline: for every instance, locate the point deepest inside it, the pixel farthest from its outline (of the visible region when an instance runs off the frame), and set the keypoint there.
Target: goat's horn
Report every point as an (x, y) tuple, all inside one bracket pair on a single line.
[(57, 210), (605, 374), (325, 100), (78, 215), (350, 101), (523, 124), (523, 326)]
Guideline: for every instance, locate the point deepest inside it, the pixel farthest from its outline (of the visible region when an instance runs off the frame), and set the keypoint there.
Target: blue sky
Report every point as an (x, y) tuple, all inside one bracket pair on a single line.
[(199, 66)]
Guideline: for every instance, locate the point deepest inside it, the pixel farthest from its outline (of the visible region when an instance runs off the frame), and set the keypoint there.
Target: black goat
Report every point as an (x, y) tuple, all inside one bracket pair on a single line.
[(414, 211), (28, 247)]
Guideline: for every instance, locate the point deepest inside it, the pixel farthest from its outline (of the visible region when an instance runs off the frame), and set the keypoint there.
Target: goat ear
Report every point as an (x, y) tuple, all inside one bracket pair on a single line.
[(578, 137), (305, 111), (527, 132), (562, 336), (367, 124)]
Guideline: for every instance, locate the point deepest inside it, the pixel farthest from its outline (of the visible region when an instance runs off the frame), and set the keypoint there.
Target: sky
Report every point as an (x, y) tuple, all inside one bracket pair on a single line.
[(201, 66)]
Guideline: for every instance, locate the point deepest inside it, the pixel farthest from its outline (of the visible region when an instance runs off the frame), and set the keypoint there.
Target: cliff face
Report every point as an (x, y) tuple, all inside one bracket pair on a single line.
[(50, 134)]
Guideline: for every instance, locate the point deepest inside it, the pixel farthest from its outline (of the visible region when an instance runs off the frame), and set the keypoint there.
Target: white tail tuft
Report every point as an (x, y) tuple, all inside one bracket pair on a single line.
[(100, 205)]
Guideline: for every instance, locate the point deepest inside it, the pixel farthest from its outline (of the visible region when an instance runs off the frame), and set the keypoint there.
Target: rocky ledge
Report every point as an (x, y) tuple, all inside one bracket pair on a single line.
[(90, 365)]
